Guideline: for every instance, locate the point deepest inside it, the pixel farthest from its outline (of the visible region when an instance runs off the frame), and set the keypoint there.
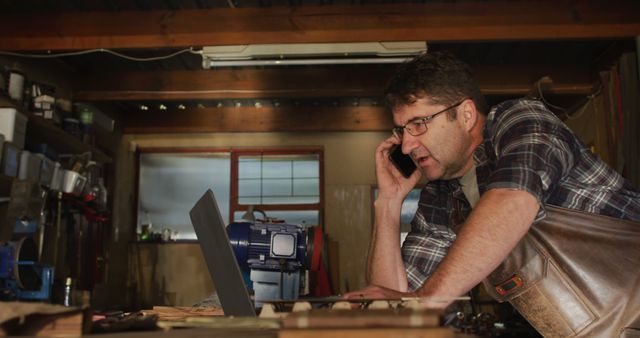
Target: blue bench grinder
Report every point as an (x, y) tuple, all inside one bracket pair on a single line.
[(274, 256)]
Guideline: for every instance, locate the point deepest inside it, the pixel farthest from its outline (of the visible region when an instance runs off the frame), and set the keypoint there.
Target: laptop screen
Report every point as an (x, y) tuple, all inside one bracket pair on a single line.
[(218, 254)]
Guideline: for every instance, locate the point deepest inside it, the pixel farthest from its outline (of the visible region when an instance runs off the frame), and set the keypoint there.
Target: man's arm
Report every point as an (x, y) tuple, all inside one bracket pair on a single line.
[(385, 266), (494, 227)]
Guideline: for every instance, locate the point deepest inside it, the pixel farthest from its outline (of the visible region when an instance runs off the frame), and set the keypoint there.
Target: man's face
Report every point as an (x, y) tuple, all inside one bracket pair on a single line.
[(444, 150)]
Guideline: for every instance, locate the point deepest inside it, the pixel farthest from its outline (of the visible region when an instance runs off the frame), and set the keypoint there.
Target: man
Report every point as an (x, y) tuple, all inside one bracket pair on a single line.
[(493, 178)]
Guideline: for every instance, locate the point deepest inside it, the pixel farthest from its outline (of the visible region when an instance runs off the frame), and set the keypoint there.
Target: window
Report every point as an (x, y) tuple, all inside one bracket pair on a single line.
[(284, 184), (169, 184)]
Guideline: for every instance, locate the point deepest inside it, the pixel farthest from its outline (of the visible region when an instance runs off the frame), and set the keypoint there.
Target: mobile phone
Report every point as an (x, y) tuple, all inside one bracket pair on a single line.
[(403, 162)]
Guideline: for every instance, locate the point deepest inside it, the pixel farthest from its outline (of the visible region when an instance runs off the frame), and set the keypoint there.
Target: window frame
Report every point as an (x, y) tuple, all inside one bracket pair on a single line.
[(235, 206)]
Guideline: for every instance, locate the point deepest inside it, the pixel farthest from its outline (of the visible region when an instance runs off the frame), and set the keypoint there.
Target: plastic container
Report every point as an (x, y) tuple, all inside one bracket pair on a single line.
[(57, 177), (46, 170), (29, 166), (73, 183), (15, 89), (10, 159), (13, 125)]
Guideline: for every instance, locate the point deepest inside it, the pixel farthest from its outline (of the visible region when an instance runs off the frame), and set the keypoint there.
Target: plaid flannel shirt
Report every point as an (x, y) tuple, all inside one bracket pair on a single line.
[(525, 147)]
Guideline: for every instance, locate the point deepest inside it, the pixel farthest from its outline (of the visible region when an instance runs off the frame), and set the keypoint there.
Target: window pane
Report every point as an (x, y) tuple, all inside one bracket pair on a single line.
[(249, 168), (276, 169), (307, 187), (249, 188), (306, 169), (276, 187), (171, 183)]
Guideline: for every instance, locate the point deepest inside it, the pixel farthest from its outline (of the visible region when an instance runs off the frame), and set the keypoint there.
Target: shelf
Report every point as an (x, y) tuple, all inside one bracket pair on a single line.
[(40, 130)]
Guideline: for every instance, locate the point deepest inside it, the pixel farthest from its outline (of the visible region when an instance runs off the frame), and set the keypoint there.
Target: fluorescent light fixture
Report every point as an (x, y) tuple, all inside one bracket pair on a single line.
[(311, 53)]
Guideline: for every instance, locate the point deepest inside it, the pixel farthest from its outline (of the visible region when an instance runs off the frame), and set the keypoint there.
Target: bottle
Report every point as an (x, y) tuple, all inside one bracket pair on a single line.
[(86, 122), (67, 298), (145, 229), (101, 198), (16, 81)]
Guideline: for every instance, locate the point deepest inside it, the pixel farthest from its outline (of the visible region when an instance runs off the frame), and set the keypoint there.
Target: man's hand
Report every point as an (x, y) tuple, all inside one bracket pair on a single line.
[(392, 184), (379, 292)]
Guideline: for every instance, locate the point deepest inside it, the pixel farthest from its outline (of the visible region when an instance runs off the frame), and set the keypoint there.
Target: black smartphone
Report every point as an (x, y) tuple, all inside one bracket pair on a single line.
[(403, 162)]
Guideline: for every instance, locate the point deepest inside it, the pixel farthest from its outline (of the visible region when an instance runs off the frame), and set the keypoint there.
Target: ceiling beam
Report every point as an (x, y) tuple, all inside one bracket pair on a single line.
[(250, 119), (447, 21), (225, 83), (308, 83)]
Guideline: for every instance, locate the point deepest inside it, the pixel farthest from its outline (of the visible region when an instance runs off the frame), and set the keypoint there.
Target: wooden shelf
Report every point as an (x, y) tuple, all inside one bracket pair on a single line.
[(40, 130)]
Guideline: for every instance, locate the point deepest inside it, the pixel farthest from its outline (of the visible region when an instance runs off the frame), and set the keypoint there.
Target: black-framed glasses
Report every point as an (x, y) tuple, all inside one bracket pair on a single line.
[(418, 125)]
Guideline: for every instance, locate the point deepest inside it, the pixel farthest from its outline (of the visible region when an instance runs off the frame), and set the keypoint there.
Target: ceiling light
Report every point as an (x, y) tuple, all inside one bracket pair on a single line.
[(311, 53)]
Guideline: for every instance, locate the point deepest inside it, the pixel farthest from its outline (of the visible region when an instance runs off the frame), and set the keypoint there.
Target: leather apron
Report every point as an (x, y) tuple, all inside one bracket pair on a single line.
[(574, 274)]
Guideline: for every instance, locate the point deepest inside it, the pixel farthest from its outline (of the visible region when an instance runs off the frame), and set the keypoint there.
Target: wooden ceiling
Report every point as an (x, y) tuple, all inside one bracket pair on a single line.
[(510, 45)]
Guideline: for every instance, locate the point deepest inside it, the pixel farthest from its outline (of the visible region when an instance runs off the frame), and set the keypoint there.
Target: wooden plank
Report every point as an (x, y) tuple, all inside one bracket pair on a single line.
[(354, 318), (181, 313), (368, 81), (457, 21), (240, 83), (250, 119), (369, 333)]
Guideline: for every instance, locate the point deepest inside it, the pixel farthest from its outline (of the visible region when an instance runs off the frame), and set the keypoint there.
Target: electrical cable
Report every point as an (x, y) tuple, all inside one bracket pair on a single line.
[(589, 99), (102, 50), (542, 98)]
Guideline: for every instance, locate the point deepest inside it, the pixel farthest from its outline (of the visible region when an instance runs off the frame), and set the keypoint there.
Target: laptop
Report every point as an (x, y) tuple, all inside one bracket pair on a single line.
[(218, 254)]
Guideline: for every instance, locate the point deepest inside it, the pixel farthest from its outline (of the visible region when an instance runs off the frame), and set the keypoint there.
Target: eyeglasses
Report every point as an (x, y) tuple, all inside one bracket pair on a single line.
[(418, 126)]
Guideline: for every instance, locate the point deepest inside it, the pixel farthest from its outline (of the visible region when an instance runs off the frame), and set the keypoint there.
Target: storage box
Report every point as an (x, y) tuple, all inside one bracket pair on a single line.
[(13, 125)]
